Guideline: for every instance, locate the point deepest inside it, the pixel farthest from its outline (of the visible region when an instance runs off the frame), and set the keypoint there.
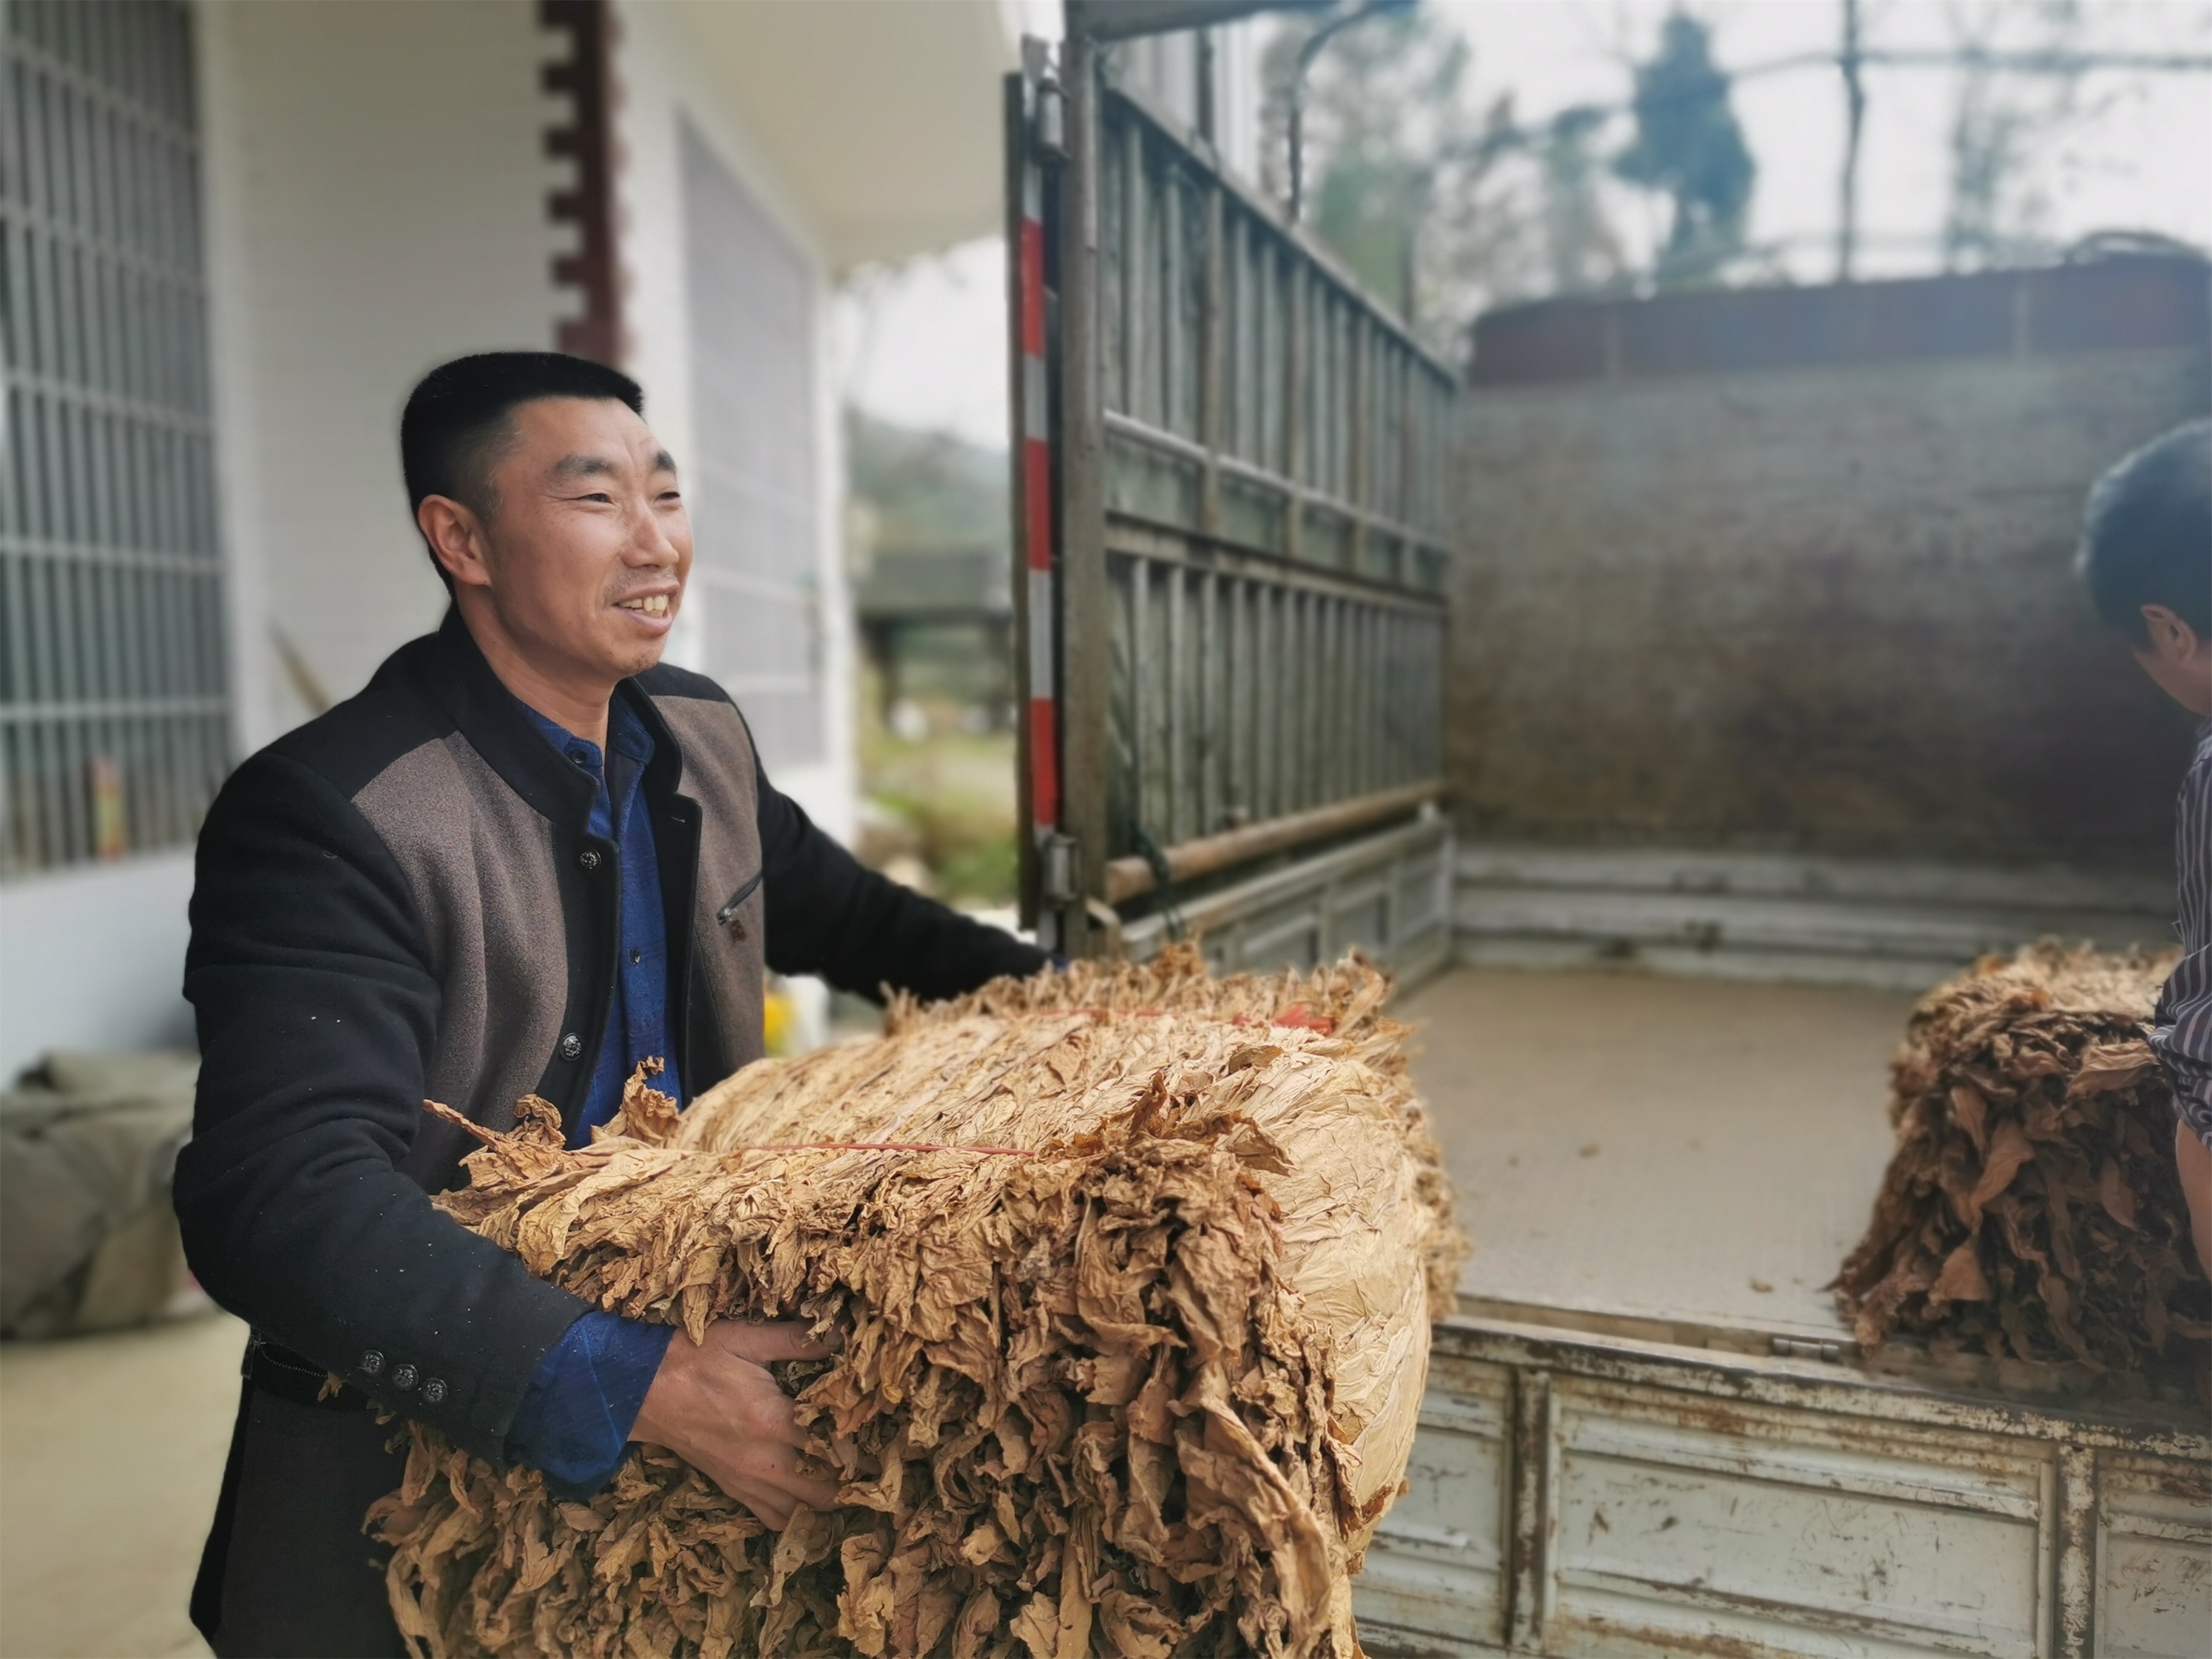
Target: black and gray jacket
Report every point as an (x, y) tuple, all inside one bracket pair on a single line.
[(402, 900)]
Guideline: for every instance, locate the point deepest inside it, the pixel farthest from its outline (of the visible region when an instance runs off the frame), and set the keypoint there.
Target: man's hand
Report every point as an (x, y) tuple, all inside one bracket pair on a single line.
[(2196, 1161), (715, 1405)]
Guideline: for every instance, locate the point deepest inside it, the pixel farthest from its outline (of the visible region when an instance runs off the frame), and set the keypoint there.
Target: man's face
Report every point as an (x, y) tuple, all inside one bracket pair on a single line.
[(589, 545)]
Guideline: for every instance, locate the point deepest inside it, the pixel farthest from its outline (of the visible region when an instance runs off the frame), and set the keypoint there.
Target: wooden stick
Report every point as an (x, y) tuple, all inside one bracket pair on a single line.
[(1127, 878)]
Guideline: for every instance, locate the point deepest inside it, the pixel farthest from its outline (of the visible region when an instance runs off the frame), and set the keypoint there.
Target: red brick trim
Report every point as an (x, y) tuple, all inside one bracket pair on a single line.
[(585, 76), (2119, 304)]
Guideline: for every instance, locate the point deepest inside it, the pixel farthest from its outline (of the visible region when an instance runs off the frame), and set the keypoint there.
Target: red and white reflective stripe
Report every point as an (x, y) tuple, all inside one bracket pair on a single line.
[(1036, 528)]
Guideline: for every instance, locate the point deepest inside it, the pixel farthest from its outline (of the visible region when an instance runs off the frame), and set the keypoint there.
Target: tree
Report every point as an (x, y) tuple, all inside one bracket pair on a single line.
[(2005, 131), (1581, 249), (1689, 145), (1439, 204), (1382, 103)]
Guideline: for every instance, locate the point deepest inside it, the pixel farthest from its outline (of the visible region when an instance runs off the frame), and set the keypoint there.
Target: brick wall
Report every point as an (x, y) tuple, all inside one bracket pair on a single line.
[(1790, 570)]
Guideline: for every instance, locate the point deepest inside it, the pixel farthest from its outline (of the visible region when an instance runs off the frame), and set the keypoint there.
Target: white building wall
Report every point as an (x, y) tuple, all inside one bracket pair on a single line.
[(93, 959), (664, 82), (376, 204)]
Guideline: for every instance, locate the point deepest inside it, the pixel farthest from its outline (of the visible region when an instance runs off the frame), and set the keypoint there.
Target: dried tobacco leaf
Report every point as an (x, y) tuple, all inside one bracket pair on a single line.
[(1129, 1353), (2032, 1208)]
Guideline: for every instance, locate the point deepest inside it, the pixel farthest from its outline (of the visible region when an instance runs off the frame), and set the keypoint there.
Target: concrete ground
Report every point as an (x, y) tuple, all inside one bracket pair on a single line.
[(1690, 1150), (111, 1455), (1629, 1145)]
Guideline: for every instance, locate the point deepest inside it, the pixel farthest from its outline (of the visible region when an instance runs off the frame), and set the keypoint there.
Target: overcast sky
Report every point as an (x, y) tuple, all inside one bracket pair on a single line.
[(926, 345)]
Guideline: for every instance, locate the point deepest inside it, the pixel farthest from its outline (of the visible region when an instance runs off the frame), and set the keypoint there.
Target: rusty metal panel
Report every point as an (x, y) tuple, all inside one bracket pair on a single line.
[(1664, 1499), (2151, 1427), (1435, 1576), (2154, 1550), (1387, 895), (1675, 1526)]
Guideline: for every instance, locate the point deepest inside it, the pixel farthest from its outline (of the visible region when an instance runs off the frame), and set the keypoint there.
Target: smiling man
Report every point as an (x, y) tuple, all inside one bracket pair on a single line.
[(527, 858)]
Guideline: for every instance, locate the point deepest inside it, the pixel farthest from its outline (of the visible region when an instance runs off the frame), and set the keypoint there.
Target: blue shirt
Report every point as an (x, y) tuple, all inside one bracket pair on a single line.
[(637, 1014), (575, 1418)]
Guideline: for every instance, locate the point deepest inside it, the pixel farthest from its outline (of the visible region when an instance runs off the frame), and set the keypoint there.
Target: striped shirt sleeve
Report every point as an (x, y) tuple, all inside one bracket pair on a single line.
[(2181, 1027)]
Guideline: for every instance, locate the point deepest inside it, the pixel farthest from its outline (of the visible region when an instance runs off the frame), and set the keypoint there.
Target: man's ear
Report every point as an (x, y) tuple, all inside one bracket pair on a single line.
[(456, 539)]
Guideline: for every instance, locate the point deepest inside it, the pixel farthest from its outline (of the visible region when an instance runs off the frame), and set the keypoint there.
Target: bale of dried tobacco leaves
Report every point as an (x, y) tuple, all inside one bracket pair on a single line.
[(2032, 1209), (1130, 1274)]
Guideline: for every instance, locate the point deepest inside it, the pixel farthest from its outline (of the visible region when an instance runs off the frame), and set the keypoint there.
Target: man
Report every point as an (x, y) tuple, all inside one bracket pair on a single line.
[(524, 859), (2146, 559)]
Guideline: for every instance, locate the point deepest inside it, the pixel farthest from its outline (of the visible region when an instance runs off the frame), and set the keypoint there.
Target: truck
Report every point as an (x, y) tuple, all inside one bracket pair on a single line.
[(1233, 524)]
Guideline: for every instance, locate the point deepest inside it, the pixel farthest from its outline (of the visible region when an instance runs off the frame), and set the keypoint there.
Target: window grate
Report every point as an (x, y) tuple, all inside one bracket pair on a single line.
[(752, 484), (114, 709)]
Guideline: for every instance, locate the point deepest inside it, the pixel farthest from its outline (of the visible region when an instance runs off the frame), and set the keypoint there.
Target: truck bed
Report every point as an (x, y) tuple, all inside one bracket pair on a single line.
[(1652, 1153)]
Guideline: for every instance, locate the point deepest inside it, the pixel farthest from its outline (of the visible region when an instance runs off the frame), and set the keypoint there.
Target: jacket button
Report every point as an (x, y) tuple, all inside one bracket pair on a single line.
[(434, 1391), (372, 1363), (589, 857), (572, 1046), (403, 1376)]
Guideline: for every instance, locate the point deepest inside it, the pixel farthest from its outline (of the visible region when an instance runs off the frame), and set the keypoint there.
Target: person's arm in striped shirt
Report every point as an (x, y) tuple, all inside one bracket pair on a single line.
[(2181, 1029), (2146, 558)]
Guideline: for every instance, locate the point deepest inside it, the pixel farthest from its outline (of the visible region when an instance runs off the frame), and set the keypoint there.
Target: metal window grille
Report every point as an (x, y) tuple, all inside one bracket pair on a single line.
[(1275, 536), (755, 494), (114, 716)]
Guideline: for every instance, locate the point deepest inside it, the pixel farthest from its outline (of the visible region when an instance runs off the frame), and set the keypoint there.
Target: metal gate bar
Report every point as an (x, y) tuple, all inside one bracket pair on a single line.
[(1355, 718), (1215, 309), (1248, 556)]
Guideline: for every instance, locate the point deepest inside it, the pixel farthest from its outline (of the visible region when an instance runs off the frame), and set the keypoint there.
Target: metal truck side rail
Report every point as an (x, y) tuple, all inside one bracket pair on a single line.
[(1230, 511)]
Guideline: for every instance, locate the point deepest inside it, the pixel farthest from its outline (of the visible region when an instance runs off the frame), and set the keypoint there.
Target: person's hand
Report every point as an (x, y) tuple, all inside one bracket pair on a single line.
[(715, 1405)]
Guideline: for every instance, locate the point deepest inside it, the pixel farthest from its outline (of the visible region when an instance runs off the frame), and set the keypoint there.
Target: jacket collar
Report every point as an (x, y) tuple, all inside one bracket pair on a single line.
[(664, 773), (487, 714)]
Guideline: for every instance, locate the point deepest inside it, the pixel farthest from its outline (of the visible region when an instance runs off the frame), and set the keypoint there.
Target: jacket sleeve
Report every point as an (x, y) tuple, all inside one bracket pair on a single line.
[(574, 1425), (317, 1006), (829, 915)]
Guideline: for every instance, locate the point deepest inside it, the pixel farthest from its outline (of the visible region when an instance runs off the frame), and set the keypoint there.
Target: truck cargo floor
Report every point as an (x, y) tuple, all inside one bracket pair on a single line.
[(1658, 1151)]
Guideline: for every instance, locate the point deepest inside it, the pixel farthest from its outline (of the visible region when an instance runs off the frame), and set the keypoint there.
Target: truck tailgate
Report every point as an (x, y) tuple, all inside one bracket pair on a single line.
[(1648, 1431), (1574, 1494)]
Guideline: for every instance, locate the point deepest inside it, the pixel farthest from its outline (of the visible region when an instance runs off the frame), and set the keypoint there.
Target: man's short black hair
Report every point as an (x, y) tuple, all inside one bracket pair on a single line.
[(2147, 534), (458, 416)]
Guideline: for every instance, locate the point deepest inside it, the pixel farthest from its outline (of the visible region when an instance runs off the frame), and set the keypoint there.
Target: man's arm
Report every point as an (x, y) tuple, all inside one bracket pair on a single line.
[(316, 1007), (829, 915), (2181, 1027), (2181, 1033), (574, 1422), (2194, 1159)]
